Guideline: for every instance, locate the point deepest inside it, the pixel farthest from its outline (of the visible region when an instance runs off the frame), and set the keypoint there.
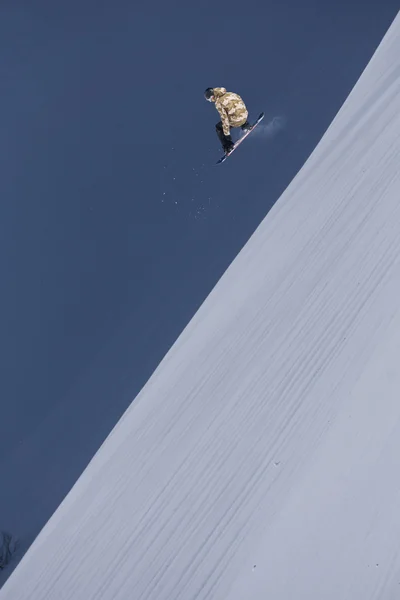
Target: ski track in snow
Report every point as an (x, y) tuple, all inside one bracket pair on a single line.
[(262, 459)]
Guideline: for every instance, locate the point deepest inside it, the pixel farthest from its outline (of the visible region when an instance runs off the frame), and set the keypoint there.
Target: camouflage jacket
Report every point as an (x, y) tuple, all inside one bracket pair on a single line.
[(231, 108)]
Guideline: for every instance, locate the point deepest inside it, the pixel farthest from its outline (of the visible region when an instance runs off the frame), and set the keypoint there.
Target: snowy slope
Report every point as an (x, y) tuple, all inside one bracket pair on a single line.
[(262, 459)]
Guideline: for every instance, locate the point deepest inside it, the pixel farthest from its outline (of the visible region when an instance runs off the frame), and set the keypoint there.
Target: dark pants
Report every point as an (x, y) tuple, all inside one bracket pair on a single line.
[(226, 141)]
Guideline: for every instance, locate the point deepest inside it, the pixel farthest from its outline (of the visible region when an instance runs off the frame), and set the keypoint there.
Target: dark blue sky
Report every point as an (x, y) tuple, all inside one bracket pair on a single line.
[(114, 222)]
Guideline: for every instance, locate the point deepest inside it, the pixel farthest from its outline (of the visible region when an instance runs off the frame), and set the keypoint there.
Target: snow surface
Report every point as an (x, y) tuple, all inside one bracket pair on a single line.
[(262, 459)]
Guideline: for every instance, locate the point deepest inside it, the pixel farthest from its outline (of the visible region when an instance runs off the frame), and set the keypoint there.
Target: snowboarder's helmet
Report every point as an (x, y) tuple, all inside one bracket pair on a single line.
[(208, 94)]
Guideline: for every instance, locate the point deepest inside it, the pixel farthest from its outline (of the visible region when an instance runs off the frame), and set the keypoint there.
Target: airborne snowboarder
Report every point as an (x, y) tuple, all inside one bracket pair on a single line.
[(233, 113)]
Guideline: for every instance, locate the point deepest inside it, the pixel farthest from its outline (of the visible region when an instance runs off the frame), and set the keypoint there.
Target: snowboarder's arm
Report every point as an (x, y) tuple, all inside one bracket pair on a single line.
[(224, 119)]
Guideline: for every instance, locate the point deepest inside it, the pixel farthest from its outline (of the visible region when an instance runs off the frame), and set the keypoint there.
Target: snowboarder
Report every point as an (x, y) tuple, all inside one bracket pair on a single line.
[(233, 113)]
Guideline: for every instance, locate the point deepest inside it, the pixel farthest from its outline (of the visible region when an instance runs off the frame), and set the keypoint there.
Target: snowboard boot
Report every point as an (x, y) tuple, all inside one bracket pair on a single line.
[(227, 146), (246, 127)]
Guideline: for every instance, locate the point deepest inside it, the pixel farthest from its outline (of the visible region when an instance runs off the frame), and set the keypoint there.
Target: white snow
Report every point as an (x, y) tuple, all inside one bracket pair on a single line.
[(262, 459)]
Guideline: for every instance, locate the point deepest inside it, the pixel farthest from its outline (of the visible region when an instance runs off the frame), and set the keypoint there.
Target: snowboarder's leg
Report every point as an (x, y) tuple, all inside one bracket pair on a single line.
[(225, 140)]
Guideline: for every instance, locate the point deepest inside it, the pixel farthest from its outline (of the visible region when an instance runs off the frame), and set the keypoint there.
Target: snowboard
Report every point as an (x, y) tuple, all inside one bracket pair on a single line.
[(240, 140)]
